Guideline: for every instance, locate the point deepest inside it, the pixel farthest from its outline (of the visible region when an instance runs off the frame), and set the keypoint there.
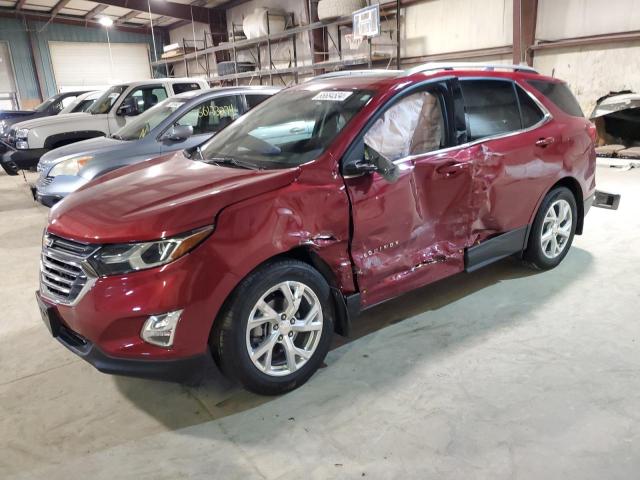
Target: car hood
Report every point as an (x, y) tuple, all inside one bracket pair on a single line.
[(160, 198), (13, 114), (94, 147), (86, 120)]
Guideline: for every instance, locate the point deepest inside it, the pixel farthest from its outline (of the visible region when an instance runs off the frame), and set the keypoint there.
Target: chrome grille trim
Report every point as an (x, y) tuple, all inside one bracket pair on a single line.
[(44, 181), (64, 275)]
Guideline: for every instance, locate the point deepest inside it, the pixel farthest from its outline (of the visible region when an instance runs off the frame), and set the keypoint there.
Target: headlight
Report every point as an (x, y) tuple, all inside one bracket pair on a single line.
[(22, 133), (131, 257), (69, 167), (3, 126)]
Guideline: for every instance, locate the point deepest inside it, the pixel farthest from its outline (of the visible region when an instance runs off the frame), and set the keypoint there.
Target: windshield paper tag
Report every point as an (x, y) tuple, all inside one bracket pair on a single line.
[(332, 96)]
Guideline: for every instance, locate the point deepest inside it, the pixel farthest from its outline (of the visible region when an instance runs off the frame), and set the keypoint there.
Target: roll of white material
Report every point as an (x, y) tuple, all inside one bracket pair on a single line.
[(255, 24)]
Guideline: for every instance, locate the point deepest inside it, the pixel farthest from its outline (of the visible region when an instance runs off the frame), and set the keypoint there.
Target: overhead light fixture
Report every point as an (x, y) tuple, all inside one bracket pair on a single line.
[(105, 21)]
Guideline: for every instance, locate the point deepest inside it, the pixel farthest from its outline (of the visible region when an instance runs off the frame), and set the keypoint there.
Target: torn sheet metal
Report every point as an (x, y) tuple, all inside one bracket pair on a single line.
[(616, 103)]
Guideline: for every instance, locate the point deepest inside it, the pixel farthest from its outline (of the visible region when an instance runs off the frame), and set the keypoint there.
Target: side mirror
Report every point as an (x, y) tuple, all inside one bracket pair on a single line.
[(178, 133), (128, 108)]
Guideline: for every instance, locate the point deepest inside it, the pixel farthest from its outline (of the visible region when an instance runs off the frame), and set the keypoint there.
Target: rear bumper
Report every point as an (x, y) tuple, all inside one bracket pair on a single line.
[(588, 202)]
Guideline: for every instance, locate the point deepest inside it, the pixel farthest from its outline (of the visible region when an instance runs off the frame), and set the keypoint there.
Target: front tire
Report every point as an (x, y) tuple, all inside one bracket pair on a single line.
[(553, 230), (275, 330)]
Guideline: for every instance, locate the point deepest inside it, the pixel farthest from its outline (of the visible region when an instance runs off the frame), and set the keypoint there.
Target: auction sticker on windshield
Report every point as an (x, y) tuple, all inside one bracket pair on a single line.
[(332, 96)]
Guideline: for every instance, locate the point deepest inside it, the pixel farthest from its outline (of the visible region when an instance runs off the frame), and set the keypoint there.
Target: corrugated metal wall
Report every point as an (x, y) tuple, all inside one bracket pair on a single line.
[(15, 33)]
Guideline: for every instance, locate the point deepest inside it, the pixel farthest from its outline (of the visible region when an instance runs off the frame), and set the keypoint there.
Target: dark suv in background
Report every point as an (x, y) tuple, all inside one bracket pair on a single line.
[(52, 106), (330, 197)]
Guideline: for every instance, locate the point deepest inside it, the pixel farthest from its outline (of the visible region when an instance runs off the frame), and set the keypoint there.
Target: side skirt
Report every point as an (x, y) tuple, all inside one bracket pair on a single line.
[(495, 249)]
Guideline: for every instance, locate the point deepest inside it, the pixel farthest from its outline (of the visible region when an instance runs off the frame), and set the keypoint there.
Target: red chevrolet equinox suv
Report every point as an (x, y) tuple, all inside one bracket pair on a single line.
[(329, 197)]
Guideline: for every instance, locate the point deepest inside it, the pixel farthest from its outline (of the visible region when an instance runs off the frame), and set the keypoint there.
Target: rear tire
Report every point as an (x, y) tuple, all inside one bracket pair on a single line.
[(553, 230), (275, 330)]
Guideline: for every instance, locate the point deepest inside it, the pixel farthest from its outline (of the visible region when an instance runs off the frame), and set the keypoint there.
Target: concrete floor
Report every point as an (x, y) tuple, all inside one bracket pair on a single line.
[(498, 374)]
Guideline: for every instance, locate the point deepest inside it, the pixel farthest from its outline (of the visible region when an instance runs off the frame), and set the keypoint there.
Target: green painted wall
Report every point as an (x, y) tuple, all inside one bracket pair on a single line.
[(15, 33)]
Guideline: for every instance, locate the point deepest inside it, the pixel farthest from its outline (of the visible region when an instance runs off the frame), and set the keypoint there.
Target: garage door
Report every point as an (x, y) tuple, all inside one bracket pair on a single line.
[(82, 65)]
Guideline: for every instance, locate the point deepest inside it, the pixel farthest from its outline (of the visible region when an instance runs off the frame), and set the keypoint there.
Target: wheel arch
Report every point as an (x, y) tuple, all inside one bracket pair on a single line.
[(574, 186), (62, 139), (345, 307)]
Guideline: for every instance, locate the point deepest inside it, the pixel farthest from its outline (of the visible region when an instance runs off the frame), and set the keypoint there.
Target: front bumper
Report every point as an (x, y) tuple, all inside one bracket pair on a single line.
[(22, 159), (50, 190), (177, 370)]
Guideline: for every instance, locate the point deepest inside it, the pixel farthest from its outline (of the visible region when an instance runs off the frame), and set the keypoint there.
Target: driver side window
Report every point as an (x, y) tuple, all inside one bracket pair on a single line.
[(414, 125)]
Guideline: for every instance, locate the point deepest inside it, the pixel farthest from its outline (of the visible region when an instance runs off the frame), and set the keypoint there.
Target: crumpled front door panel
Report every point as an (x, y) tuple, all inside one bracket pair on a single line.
[(413, 231)]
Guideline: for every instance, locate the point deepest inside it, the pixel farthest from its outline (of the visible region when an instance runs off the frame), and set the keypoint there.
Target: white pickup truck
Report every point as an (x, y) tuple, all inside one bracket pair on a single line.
[(31, 139)]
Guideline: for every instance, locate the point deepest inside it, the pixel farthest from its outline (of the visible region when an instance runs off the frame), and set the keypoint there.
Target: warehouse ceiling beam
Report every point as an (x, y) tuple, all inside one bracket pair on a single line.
[(127, 17), (95, 12), (166, 9), (57, 7)]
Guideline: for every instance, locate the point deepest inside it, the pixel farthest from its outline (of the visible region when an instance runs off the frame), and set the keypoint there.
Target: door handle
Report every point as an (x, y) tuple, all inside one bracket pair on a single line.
[(297, 130), (451, 169), (545, 142)]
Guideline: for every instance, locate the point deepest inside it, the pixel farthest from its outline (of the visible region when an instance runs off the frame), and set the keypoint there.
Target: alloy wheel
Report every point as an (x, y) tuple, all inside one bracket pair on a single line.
[(284, 328), (556, 228)]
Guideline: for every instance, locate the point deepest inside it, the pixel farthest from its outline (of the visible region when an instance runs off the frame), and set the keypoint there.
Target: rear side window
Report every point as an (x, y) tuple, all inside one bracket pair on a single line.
[(255, 100), (491, 108), (531, 113), (185, 87), (559, 94)]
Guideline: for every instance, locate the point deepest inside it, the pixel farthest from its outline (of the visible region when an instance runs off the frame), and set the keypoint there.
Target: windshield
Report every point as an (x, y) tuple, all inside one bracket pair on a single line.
[(44, 105), (287, 130), (104, 103), (144, 123)]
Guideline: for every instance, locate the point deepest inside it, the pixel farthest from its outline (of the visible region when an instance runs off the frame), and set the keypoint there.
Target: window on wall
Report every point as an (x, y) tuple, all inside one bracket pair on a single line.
[(212, 115), (491, 108)]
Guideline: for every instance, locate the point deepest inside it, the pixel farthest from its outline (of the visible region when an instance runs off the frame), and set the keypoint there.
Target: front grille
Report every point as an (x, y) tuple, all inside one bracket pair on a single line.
[(44, 181), (63, 276)]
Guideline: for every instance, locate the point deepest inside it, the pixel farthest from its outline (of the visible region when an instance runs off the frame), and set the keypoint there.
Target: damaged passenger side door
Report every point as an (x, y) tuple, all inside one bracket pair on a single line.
[(409, 186)]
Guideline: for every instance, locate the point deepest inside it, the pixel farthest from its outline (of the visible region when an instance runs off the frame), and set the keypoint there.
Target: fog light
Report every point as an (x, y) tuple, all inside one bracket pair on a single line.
[(160, 329)]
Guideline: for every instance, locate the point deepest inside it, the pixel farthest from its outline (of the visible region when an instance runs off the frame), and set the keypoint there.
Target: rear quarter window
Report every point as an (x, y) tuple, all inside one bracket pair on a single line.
[(491, 108), (560, 95), (185, 87)]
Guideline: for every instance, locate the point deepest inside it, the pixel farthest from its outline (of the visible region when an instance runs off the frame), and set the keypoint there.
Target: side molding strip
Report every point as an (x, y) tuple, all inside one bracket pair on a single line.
[(495, 249)]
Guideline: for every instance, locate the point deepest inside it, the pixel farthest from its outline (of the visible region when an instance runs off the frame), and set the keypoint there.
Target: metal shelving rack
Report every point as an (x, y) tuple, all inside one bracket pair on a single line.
[(231, 49)]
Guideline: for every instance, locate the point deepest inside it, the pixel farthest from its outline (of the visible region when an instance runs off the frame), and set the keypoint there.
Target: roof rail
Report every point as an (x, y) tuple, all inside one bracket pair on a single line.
[(356, 73), (427, 67)]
